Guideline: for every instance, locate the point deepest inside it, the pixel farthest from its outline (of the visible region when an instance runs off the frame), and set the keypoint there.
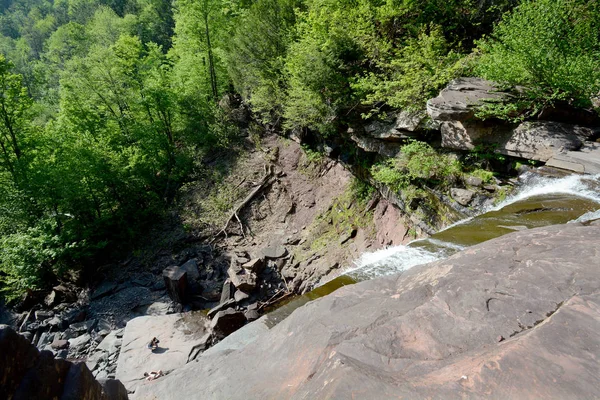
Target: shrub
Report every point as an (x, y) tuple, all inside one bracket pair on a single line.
[(25, 259), (418, 165), (551, 47)]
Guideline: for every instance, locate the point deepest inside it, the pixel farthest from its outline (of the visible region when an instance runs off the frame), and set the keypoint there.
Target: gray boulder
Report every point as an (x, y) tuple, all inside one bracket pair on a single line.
[(541, 140), (193, 276), (274, 252), (26, 373), (462, 196), (242, 279), (176, 282), (461, 98)]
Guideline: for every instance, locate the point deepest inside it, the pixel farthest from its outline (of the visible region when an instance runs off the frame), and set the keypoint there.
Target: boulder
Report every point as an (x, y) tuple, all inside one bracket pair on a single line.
[(114, 389), (473, 181), (461, 98), (227, 292), (221, 306), (410, 121), (193, 276), (41, 315), (431, 332), (52, 298), (533, 140), (227, 321), (176, 282), (254, 265), (80, 341), (80, 384), (110, 344), (240, 296), (586, 160), (274, 252), (242, 279), (541, 140), (372, 145), (251, 315), (59, 344), (462, 196), (17, 356), (44, 380), (26, 373), (86, 326)]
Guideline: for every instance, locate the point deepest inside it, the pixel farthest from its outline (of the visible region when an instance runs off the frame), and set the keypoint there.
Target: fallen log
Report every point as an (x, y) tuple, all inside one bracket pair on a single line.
[(265, 181)]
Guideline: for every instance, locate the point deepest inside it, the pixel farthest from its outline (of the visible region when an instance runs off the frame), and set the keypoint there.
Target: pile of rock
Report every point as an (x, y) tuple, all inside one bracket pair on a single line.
[(102, 360), (249, 281)]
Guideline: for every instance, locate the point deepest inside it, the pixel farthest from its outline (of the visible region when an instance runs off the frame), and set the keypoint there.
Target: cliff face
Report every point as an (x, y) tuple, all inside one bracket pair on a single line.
[(515, 317), (26, 373)]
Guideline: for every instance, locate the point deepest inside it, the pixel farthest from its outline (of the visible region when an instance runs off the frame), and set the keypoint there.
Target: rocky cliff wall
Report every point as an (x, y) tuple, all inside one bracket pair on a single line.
[(27, 373)]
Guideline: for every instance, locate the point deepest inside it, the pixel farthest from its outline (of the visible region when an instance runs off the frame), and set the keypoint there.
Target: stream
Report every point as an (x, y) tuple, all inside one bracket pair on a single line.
[(539, 201)]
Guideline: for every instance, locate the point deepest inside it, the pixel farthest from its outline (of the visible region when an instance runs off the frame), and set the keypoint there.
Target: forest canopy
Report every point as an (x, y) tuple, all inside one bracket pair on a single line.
[(107, 106)]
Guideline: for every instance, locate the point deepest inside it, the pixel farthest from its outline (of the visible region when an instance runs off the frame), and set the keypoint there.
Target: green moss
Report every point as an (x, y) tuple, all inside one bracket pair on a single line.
[(485, 175)]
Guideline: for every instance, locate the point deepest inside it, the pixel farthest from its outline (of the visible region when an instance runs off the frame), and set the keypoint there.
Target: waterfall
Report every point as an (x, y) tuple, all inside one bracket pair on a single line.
[(551, 200)]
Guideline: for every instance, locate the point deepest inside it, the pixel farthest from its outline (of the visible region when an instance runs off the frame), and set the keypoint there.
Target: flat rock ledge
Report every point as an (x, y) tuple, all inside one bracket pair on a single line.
[(516, 317), (177, 333)]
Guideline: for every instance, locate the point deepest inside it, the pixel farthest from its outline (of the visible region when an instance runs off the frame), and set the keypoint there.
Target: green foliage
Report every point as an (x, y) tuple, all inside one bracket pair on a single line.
[(551, 47), (485, 175), (417, 166), (317, 88), (415, 74), (361, 190), (98, 127), (255, 59), (26, 258)]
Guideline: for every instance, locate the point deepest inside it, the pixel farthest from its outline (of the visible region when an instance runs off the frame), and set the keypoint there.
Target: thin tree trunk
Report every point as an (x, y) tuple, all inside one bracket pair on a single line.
[(211, 63)]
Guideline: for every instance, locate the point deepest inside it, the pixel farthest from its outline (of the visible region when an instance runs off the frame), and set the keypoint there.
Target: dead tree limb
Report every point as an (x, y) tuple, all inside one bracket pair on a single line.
[(278, 296), (265, 181)]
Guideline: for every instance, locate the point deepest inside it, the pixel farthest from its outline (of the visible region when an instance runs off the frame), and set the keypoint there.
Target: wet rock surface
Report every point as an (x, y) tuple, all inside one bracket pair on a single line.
[(515, 317)]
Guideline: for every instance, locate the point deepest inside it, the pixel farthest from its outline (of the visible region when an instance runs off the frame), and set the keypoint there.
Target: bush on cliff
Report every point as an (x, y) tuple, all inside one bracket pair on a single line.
[(418, 165), (551, 47)]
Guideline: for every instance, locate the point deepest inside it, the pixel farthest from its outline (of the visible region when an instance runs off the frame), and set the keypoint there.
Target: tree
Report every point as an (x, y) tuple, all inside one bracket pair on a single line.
[(551, 47), (14, 104)]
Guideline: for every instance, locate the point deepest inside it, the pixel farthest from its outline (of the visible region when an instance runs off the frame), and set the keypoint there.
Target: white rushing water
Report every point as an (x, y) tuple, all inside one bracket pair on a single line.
[(400, 258), (585, 186)]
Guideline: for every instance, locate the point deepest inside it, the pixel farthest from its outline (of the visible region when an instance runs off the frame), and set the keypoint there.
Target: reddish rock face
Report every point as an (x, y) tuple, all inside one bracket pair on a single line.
[(432, 332)]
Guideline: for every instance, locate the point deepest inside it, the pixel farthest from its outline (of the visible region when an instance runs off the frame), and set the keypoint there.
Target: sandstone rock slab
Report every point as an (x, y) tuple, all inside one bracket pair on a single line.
[(459, 100), (178, 333), (432, 332)]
